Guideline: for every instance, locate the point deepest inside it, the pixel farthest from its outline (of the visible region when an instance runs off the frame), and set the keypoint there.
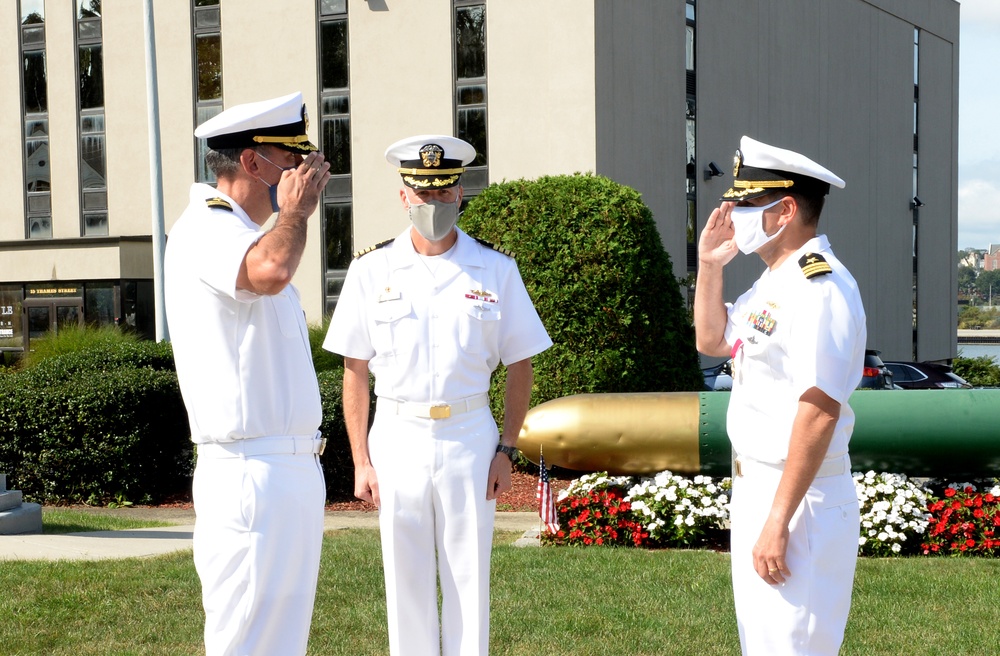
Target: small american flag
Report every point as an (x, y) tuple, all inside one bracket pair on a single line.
[(547, 507)]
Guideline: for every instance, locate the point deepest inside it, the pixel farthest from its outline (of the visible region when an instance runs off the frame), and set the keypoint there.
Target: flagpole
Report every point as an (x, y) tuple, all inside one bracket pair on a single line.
[(541, 501)]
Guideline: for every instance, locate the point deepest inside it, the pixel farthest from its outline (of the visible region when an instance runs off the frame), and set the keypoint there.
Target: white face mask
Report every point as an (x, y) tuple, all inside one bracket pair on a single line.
[(434, 219), (748, 222)]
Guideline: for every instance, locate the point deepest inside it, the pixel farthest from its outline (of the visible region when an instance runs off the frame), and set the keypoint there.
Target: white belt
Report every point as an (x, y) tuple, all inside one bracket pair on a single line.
[(432, 410), (743, 466), (263, 446)]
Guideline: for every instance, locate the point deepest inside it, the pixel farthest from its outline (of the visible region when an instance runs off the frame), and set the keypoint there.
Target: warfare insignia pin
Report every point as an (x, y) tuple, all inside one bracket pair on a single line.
[(737, 162)]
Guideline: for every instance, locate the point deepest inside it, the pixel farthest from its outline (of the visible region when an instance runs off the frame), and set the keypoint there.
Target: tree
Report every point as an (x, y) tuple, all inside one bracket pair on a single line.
[(592, 261)]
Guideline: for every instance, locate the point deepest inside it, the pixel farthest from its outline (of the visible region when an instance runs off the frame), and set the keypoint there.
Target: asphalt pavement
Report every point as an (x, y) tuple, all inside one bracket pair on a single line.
[(146, 542)]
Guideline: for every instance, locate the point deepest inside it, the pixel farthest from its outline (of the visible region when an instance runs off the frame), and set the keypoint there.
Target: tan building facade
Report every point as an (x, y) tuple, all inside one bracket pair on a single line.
[(647, 92)]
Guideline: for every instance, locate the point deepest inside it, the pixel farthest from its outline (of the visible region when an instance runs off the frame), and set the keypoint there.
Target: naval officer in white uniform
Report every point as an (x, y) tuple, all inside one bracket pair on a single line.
[(245, 371), (797, 340), (431, 313)]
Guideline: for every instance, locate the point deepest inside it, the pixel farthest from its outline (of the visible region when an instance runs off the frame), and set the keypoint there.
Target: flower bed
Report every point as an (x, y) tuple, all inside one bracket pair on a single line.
[(898, 517)]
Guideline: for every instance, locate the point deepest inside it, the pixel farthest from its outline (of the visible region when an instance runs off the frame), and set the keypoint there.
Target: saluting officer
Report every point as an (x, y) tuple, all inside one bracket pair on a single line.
[(245, 371), (797, 340), (431, 313)]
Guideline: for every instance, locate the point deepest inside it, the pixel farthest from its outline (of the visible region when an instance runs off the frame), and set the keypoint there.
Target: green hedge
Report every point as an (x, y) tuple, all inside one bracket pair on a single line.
[(100, 425), (592, 261)]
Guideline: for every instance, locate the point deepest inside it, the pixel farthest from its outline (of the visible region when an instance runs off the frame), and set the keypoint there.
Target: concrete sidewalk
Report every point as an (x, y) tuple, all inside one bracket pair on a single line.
[(141, 543)]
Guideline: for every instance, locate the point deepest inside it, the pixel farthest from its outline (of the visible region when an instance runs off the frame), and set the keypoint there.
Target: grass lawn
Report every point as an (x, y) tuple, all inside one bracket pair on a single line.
[(545, 601)]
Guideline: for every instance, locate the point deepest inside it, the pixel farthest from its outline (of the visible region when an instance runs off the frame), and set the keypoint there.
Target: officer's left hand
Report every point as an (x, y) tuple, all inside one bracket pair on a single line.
[(769, 553), (499, 478)]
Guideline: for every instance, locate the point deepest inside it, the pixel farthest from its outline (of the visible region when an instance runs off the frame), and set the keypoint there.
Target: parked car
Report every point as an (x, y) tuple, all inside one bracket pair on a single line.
[(925, 375), (876, 375)]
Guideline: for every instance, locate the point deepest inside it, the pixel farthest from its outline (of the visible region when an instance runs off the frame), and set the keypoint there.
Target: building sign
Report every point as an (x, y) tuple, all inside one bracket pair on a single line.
[(11, 328), (53, 289)]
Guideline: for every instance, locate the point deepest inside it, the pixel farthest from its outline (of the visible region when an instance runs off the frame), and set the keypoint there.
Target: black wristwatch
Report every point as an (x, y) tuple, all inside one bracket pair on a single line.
[(508, 451)]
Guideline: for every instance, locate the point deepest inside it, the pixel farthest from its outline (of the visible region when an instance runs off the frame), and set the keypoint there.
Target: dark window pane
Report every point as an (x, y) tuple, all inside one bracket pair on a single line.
[(36, 147), (334, 63), (91, 77), (336, 144), (88, 8), (95, 200), (95, 225), (92, 154), (475, 179), (337, 233), (40, 228), (209, 52), (35, 87), (92, 124), (38, 321), (39, 204), (33, 36), (339, 186), (206, 3), (67, 315), (470, 42), (472, 128), (99, 303), (474, 95), (336, 105)]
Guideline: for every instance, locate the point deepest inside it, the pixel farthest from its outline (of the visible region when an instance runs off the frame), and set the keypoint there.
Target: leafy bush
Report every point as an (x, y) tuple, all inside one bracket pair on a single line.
[(982, 371), (74, 339), (79, 434), (323, 360), (592, 261), (338, 465)]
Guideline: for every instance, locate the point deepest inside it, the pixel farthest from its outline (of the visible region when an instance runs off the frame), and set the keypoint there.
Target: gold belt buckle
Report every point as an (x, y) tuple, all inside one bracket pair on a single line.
[(440, 411), (322, 447)]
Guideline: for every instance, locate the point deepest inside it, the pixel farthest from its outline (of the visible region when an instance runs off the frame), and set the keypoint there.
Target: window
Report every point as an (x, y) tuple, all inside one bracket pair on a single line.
[(470, 90), (691, 134), (93, 159), (34, 96), (208, 65), (335, 142)]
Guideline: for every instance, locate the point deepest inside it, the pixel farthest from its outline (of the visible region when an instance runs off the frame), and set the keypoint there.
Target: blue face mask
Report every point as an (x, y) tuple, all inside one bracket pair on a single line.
[(272, 190)]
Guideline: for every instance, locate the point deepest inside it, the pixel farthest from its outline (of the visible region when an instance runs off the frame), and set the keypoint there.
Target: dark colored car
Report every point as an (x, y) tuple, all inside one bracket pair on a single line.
[(925, 375), (875, 375)]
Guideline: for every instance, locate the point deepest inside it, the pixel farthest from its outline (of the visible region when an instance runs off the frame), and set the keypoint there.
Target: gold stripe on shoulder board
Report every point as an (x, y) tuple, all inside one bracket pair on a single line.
[(498, 249), (813, 264), (219, 204), (373, 248)]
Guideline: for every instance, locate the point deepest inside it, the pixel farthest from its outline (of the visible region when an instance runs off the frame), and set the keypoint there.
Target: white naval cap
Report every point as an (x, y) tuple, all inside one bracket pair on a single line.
[(760, 169), (280, 122), (430, 161)]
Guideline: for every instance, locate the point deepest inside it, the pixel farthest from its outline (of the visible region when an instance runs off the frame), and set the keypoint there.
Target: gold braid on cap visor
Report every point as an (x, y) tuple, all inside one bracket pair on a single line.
[(755, 186), (442, 182), (429, 171), (297, 142)]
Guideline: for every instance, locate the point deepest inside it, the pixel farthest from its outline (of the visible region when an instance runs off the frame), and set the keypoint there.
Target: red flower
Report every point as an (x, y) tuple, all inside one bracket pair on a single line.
[(969, 489), (949, 492), (978, 512)]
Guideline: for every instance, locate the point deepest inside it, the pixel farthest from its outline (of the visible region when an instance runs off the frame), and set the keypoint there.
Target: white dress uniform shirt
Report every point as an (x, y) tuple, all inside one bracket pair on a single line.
[(435, 337), (243, 361), (791, 333)]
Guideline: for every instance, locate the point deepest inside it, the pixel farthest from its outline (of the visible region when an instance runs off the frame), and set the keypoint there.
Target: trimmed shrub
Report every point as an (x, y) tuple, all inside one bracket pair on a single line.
[(94, 435), (338, 465), (592, 261)]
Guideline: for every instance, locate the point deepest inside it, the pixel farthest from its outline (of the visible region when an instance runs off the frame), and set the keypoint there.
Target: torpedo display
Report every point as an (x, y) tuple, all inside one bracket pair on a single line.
[(935, 433)]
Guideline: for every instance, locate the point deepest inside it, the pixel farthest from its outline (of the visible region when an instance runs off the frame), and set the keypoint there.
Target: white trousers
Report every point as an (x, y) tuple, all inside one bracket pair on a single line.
[(432, 482), (807, 614), (257, 541)]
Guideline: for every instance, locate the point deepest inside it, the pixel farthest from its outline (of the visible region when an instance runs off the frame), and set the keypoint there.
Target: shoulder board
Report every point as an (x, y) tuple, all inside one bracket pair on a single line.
[(219, 204), (814, 265), (498, 249), (373, 248)]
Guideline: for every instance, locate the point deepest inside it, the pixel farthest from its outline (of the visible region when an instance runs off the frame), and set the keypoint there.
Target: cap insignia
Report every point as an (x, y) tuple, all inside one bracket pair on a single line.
[(814, 265), (431, 155), (737, 162), (374, 248), (219, 204)]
